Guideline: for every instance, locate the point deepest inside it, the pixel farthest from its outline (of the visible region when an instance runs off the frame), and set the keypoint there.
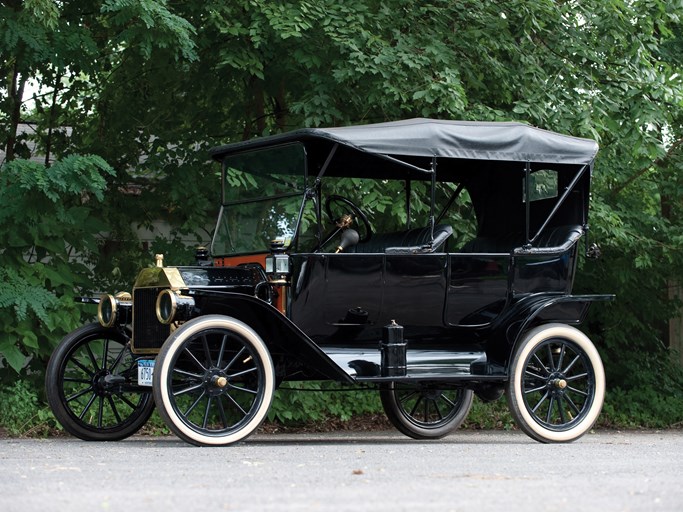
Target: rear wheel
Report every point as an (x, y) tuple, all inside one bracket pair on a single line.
[(557, 384), (88, 382), (425, 410), (214, 381)]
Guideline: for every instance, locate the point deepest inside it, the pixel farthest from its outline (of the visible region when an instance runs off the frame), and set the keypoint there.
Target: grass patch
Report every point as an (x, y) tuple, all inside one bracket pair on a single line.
[(327, 407)]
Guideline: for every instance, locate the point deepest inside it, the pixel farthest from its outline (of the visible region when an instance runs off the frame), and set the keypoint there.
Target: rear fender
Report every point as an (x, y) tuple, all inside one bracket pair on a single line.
[(535, 310)]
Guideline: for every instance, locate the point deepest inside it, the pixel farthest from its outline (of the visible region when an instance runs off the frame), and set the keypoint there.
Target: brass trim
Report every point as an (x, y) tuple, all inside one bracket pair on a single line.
[(159, 277), (345, 221), (174, 306), (174, 278), (559, 383), (144, 351), (220, 382), (113, 303)]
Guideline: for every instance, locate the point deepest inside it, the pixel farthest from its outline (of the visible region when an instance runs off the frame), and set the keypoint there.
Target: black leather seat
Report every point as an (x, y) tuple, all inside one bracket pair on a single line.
[(412, 241), (557, 239)]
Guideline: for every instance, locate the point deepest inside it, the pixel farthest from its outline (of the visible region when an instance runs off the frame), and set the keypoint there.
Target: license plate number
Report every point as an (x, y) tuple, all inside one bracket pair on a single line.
[(145, 372)]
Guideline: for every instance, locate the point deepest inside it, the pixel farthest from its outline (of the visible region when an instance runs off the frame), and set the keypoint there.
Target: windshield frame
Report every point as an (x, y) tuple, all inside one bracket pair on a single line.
[(229, 203)]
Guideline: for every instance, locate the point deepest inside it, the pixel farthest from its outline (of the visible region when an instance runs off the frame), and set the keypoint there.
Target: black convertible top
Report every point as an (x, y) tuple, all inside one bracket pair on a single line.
[(471, 140)]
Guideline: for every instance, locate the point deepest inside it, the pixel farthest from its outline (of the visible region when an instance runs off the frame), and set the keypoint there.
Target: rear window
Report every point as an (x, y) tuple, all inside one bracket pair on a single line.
[(542, 185)]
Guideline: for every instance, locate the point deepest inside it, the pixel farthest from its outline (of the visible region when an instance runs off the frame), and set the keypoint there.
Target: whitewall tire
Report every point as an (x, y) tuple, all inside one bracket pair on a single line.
[(214, 381), (557, 384)]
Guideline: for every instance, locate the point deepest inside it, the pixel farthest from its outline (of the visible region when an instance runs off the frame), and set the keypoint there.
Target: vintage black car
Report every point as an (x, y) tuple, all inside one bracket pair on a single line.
[(455, 281)]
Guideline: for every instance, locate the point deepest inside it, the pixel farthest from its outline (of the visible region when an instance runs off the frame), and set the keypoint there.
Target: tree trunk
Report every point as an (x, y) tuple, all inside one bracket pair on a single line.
[(676, 324), (255, 109), (51, 121), (15, 95), (675, 287), (280, 107)]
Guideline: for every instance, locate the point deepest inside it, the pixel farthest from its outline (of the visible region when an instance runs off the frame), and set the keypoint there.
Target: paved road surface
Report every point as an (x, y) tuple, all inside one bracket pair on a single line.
[(468, 471)]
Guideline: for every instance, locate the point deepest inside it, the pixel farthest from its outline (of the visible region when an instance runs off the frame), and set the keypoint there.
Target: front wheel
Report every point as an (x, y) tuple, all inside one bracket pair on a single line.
[(557, 384), (425, 410), (214, 381), (88, 383)]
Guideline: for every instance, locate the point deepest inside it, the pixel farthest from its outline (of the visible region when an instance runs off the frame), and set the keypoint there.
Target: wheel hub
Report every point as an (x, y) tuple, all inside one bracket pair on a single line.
[(219, 381), (101, 386), (557, 384), (215, 382)]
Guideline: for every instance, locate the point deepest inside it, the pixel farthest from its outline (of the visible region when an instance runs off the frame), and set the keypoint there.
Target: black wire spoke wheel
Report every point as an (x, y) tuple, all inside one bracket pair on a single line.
[(557, 384), (86, 382), (214, 381), (425, 410)]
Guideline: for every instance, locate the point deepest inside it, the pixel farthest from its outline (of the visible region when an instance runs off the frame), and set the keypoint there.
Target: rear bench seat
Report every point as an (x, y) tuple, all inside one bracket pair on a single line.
[(552, 241)]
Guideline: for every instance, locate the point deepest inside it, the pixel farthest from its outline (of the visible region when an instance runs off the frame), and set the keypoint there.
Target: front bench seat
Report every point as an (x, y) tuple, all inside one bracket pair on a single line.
[(412, 241)]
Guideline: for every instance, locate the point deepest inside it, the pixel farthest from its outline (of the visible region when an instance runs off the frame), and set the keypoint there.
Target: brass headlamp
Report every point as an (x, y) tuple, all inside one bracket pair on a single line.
[(171, 307), (113, 308)]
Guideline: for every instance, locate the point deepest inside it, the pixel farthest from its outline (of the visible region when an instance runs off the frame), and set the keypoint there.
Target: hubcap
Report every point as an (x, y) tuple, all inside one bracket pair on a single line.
[(220, 382), (559, 383), (216, 382)]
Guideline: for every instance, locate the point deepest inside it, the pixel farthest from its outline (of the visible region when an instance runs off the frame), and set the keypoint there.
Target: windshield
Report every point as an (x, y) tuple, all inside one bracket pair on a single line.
[(262, 195)]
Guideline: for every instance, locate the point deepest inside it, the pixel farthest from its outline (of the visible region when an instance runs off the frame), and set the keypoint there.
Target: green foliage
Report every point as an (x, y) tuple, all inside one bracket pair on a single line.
[(298, 402), (489, 415), (155, 426), (72, 175), (149, 24), (23, 413), (48, 225), (647, 407)]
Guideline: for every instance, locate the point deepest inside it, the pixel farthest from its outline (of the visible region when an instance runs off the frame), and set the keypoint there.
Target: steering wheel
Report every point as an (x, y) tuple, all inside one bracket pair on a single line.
[(347, 207)]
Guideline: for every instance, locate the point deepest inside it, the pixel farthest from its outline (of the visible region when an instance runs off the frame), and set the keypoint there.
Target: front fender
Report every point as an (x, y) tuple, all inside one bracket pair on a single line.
[(286, 342)]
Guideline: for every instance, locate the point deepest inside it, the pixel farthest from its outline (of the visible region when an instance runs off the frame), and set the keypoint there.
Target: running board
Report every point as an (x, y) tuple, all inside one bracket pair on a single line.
[(364, 365)]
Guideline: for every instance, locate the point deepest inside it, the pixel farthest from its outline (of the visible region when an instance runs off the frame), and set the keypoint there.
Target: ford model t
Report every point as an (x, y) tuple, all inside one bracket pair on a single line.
[(443, 270)]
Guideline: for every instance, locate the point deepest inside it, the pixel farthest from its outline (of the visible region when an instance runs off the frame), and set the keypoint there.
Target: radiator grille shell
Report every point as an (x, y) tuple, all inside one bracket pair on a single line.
[(148, 333)]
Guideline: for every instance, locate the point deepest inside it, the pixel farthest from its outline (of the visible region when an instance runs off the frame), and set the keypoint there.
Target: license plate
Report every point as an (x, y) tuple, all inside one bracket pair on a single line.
[(145, 372)]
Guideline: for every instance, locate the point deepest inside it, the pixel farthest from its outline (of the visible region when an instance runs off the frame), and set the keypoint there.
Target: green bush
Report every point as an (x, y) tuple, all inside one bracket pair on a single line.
[(489, 415), (304, 403), (41, 264), (23, 413), (300, 402), (647, 407)]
